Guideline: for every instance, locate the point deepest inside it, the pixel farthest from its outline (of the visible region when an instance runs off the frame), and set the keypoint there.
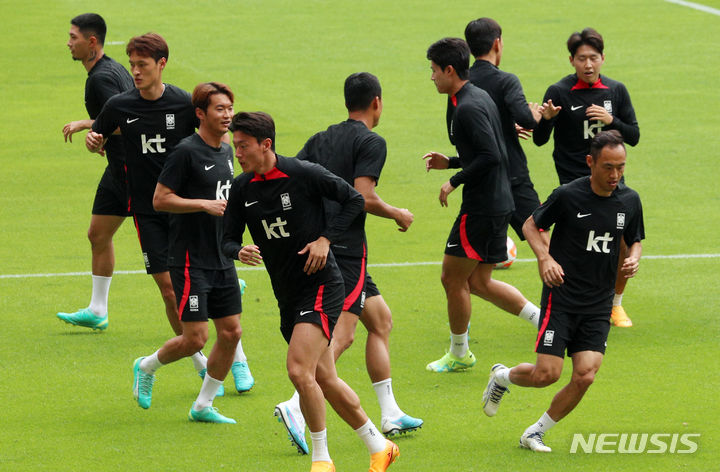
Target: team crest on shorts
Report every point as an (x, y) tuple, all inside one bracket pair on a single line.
[(549, 337), (193, 302), (608, 106), (362, 300), (285, 200), (620, 220), (170, 121)]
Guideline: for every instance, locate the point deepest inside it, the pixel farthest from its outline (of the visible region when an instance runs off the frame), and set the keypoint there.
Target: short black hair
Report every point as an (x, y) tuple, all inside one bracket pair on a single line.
[(451, 52), (603, 139), (361, 88), (257, 124), (91, 24), (588, 36), (480, 35)]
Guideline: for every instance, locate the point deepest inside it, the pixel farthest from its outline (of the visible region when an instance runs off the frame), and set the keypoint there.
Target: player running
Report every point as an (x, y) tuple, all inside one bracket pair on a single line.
[(581, 105), (578, 267), (280, 200), (478, 238)]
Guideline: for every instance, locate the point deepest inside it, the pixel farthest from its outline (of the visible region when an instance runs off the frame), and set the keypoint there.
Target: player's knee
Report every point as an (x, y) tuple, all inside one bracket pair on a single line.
[(478, 288), (300, 377), (544, 377), (98, 238), (342, 340), (583, 380), (230, 335), (194, 342), (382, 325)]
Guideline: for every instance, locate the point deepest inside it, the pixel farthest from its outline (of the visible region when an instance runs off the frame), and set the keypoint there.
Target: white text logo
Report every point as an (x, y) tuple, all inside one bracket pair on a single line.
[(592, 243), (635, 443), (222, 192), (279, 225), (591, 129), (147, 144)]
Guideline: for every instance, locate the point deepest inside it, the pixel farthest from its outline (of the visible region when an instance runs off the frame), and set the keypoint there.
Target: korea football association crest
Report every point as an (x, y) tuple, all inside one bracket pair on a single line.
[(285, 200), (170, 121), (193, 303), (549, 338), (620, 220), (608, 106)]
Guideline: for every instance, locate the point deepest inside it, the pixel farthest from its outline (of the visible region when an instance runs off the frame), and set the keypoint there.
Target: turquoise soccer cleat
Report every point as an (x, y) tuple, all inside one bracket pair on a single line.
[(244, 380), (401, 425), (294, 424), (451, 363), (86, 319), (209, 414), (142, 384)]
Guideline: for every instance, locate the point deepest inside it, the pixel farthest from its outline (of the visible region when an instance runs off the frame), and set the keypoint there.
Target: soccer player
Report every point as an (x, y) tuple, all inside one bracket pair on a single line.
[(484, 37), (579, 106), (280, 200), (578, 268), (353, 152), (105, 78), (153, 118), (193, 187), (478, 238)]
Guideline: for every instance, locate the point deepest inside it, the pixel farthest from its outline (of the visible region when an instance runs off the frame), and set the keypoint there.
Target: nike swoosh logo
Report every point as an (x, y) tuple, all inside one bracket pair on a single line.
[(451, 245), (209, 167), (303, 313), (131, 121), (247, 204), (575, 108), (580, 215)]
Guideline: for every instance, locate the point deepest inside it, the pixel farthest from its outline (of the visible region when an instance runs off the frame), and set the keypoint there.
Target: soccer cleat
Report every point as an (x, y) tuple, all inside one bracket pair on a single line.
[(294, 424), (85, 318), (452, 363), (534, 442), (243, 284), (322, 466), (493, 392), (244, 380), (209, 414), (380, 461), (221, 390), (619, 318), (401, 425), (142, 384)]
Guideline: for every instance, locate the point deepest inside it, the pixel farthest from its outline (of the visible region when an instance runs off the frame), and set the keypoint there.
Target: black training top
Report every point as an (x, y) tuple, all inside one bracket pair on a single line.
[(150, 130), (474, 128), (573, 131), (348, 150), (507, 93), (197, 170), (283, 210), (586, 242)]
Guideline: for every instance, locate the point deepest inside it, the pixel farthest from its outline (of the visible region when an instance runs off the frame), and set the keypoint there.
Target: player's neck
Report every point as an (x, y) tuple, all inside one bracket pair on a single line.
[(210, 138), (597, 190), (153, 92), (269, 161), (92, 59), (456, 86), (364, 117), (490, 57)]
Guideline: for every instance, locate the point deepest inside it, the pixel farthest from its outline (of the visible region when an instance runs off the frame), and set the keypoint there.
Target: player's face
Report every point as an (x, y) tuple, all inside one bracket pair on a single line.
[(249, 152), (440, 77), (78, 44), (218, 116), (146, 72), (587, 62), (607, 170)]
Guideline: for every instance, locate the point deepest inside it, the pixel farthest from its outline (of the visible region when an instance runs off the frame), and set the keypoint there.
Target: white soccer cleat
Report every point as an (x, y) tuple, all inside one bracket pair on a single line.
[(493, 392), (534, 442)]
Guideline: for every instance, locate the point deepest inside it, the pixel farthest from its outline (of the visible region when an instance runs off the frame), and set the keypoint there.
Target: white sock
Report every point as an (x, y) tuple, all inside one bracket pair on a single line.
[(531, 313), (151, 363), (239, 353), (502, 376), (319, 446), (459, 344), (374, 441), (388, 406), (207, 393), (100, 291), (542, 425), (617, 299), (199, 361)]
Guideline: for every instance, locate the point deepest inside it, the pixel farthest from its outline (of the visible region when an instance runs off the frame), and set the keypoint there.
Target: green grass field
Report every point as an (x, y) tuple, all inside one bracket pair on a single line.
[(66, 392)]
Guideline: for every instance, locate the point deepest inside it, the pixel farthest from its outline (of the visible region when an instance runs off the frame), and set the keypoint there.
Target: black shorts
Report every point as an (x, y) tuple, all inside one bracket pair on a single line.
[(321, 307), (153, 233), (526, 201), (358, 283), (483, 238), (206, 293), (111, 196), (560, 331)]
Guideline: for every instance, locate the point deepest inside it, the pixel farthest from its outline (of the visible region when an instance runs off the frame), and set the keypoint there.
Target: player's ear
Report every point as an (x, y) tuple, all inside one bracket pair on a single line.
[(162, 62), (200, 113), (589, 160)]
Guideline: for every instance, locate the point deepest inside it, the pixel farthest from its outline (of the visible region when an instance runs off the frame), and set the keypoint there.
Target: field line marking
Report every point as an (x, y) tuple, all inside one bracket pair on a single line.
[(386, 264), (696, 6)]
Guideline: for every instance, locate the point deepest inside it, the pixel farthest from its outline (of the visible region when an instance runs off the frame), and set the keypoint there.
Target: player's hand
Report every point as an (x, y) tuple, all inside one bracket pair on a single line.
[(215, 207), (551, 272), (317, 252), (596, 112), (445, 190), (435, 160), (94, 142), (630, 267), (523, 133), (250, 255), (404, 219), (537, 110), (550, 111), (72, 128)]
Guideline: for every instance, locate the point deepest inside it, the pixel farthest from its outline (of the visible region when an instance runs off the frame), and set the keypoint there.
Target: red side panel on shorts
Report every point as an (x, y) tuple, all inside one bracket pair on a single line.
[(137, 229), (350, 299), (545, 321), (319, 308), (186, 287), (469, 251)]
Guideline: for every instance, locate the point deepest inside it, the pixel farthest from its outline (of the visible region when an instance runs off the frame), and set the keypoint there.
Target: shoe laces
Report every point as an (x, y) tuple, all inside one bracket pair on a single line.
[(537, 436), (145, 383), (497, 391)]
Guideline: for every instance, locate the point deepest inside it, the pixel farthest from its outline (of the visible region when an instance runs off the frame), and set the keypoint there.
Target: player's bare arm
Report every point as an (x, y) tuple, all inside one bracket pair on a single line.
[(376, 206), (537, 110), (94, 142), (551, 272), (631, 264), (435, 160), (75, 126), (445, 190), (250, 255), (317, 252), (550, 111), (165, 199), (596, 112)]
